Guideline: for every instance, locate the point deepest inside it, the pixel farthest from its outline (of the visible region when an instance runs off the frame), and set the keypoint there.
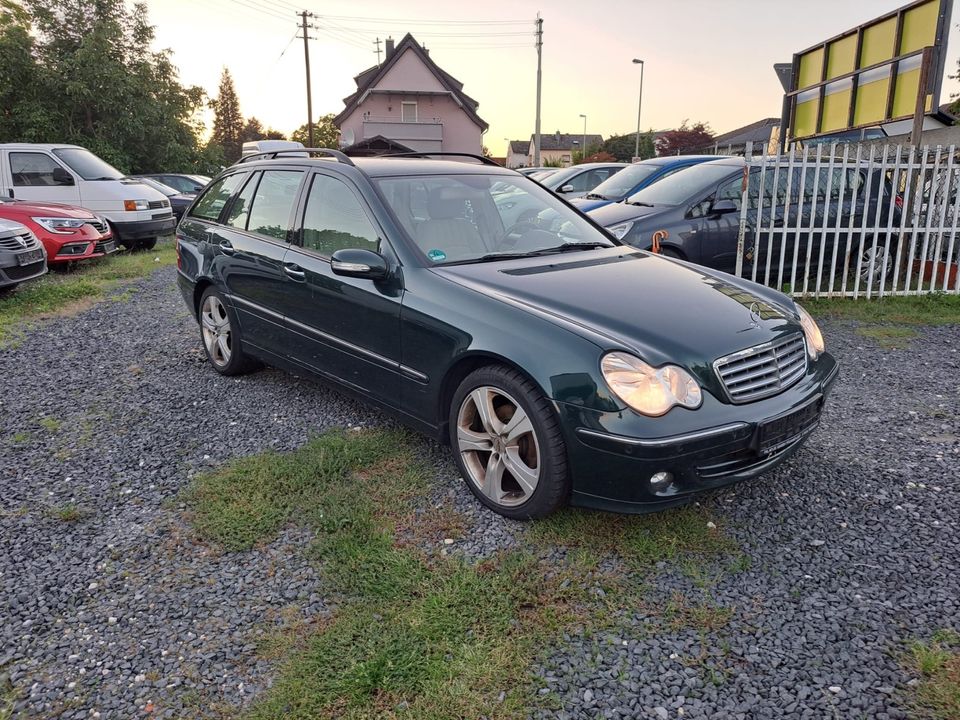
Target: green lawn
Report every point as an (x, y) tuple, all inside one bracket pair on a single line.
[(59, 292), (935, 309), (938, 664)]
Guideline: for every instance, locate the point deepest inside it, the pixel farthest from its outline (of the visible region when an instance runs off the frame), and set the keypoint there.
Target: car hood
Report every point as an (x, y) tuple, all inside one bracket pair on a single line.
[(37, 209), (618, 212), (585, 205), (663, 310)]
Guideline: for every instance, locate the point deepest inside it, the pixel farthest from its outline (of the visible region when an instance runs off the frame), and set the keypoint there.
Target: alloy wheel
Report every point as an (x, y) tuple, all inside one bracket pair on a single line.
[(217, 337), (882, 260), (499, 447)]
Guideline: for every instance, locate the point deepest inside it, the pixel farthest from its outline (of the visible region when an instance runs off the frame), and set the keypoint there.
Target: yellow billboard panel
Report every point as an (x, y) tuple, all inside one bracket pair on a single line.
[(870, 74)]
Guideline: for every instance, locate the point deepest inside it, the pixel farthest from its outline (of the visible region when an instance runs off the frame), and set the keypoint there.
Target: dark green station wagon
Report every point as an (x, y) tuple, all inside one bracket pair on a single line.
[(560, 365)]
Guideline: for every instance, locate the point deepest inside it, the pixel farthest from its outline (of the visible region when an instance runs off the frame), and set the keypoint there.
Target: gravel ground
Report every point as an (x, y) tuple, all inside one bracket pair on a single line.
[(853, 543)]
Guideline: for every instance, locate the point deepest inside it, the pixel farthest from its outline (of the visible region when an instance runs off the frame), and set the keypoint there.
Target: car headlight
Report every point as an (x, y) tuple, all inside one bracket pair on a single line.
[(815, 344), (60, 226), (649, 390), (131, 205), (620, 231)]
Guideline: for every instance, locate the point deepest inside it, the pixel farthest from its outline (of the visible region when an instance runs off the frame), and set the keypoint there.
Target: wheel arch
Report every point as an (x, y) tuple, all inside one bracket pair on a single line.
[(198, 290), (460, 369)]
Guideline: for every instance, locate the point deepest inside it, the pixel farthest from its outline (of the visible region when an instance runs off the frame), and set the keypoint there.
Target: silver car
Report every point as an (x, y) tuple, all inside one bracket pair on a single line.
[(22, 256)]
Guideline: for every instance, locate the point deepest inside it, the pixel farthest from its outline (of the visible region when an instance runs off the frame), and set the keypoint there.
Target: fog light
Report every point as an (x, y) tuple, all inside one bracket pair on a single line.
[(660, 481)]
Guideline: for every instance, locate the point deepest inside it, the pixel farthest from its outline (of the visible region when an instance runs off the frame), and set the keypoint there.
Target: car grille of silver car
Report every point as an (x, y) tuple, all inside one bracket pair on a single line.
[(763, 370), (157, 204), (16, 242)]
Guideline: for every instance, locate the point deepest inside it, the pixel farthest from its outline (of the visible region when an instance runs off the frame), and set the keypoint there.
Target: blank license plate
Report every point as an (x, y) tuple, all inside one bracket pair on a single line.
[(108, 247), (28, 258), (780, 432)]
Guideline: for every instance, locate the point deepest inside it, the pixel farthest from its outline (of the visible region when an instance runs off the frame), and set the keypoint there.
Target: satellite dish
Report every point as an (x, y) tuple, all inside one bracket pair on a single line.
[(347, 138)]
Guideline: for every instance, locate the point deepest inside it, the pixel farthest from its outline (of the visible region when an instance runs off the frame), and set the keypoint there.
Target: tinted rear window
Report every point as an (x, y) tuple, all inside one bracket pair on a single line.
[(210, 204)]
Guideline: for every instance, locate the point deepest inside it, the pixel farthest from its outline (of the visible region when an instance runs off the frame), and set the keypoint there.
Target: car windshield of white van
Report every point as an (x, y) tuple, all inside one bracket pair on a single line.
[(87, 165)]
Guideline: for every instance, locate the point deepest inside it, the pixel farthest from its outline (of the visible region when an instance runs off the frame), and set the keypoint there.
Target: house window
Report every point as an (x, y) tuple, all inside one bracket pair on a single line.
[(408, 112)]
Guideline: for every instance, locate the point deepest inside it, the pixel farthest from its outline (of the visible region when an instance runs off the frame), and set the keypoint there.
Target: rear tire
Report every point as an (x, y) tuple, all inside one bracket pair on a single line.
[(508, 445), (220, 335)]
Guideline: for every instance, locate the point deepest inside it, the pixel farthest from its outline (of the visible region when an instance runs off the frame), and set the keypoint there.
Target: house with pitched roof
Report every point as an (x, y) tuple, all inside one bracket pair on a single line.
[(409, 101), (517, 154), (559, 147)]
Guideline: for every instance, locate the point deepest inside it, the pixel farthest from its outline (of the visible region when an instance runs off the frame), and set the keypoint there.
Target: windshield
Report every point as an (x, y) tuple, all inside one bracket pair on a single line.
[(87, 165), (471, 218), (542, 174), (680, 187), (158, 186), (617, 186)]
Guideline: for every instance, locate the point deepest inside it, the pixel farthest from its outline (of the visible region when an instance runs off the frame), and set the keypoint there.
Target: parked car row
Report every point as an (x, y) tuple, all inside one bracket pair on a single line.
[(61, 204)]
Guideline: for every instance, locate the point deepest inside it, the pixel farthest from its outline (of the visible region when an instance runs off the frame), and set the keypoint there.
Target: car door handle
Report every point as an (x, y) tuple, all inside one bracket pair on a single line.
[(295, 272), (226, 248)]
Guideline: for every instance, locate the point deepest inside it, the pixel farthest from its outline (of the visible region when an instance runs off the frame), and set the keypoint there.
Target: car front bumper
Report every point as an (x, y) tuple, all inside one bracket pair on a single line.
[(144, 229), (76, 250), (613, 455)]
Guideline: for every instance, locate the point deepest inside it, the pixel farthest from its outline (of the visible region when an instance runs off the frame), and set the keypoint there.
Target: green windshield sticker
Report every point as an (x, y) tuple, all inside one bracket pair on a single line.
[(437, 255)]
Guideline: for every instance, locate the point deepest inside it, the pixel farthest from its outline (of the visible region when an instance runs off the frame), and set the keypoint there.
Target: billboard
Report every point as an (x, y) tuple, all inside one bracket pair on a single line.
[(871, 74)]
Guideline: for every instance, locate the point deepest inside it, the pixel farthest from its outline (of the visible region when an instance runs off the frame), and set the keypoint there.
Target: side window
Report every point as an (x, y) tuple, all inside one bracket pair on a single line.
[(275, 197), (210, 204), (334, 219), (731, 190), (240, 210), (32, 169), (582, 182)]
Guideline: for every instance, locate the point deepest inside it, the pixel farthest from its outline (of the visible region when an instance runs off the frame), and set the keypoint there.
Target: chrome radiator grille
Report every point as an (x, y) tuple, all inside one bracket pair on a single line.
[(763, 370)]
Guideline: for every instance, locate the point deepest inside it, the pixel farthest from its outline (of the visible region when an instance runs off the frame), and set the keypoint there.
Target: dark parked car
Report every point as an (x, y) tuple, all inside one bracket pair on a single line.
[(180, 182), (699, 208), (22, 257), (634, 178), (179, 202), (560, 365)]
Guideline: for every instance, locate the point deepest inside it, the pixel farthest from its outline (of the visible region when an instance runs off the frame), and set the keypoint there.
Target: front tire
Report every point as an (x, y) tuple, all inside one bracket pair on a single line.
[(220, 334), (508, 445)]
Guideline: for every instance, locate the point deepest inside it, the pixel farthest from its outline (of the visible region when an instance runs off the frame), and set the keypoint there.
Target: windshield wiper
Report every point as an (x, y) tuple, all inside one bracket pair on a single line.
[(566, 247), (596, 196), (638, 203)]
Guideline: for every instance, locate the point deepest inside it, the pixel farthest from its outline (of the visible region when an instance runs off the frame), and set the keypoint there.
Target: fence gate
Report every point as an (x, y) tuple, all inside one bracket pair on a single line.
[(852, 221)]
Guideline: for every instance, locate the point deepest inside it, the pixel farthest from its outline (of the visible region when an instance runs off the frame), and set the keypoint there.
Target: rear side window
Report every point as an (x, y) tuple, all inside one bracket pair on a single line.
[(240, 210), (32, 169), (273, 202), (335, 220), (210, 204)]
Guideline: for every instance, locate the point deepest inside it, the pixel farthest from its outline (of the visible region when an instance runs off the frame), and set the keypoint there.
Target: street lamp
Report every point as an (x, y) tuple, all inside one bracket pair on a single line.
[(583, 148), (636, 152)]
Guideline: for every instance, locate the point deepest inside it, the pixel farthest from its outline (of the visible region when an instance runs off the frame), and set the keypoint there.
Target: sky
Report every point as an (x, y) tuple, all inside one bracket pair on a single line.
[(705, 60)]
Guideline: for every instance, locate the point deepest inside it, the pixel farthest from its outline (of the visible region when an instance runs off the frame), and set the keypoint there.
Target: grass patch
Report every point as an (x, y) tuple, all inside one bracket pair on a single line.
[(688, 533), (892, 337), (59, 292), (933, 309), (21, 437), (938, 663), (50, 424), (71, 512), (419, 634)]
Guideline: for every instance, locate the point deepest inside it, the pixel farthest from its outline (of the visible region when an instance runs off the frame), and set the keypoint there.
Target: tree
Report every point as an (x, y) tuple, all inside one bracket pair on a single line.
[(325, 133), (252, 130), (622, 147), (81, 71), (228, 124), (485, 151), (685, 139), (601, 157)]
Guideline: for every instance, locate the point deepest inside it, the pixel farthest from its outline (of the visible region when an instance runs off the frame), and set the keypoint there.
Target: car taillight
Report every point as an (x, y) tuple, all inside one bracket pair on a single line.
[(176, 245), (898, 201)]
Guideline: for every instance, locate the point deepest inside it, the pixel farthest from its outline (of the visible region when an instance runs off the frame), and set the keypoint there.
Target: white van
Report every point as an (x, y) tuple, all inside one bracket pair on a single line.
[(73, 175), (260, 146)]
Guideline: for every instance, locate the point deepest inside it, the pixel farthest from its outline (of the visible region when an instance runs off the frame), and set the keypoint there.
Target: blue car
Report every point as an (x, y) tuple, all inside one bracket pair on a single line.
[(636, 177)]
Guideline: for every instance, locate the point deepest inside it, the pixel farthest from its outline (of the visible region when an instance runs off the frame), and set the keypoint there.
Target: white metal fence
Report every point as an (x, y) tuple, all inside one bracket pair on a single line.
[(852, 221)]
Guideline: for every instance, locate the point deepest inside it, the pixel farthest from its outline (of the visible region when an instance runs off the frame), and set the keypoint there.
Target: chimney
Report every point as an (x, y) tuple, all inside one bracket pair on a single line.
[(390, 47)]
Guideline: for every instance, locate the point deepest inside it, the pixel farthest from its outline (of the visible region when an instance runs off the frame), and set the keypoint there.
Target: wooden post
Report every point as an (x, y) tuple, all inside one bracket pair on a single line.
[(921, 108)]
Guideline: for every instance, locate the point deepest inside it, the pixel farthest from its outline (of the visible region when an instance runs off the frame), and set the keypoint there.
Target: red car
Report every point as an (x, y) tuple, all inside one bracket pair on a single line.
[(67, 232)]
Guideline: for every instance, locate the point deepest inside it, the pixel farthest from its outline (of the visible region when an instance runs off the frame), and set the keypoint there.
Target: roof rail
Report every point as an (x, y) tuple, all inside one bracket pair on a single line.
[(481, 158), (272, 154)]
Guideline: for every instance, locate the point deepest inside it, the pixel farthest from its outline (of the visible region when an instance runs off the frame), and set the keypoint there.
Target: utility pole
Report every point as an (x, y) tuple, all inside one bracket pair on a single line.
[(536, 130), (377, 43), (306, 59)]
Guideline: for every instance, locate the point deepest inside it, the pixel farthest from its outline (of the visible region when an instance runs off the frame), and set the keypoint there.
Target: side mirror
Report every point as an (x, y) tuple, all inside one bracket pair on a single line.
[(565, 189), (359, 264), (62, 177), (723, 207)]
